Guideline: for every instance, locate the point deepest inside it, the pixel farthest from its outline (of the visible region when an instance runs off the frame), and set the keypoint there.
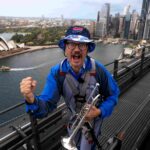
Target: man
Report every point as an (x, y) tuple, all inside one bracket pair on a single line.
[(74, 78)]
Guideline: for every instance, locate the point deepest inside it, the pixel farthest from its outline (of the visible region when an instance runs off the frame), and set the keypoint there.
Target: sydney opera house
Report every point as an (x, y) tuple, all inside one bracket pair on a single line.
[(9, 45)]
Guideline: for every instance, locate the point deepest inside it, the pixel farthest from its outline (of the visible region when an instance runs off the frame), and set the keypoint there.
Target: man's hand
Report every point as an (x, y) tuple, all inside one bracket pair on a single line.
[(27, 88), (94, 112)]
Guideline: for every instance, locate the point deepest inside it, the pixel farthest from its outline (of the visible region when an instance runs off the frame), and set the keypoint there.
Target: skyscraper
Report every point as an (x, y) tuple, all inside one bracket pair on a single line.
[(144, 12), (97, 30), (98, 16), (126, 23), (126, 10), (146, 34), (114, 26), (105, 15), (121, 25), (134, 24), (127, 26), (103, 21)]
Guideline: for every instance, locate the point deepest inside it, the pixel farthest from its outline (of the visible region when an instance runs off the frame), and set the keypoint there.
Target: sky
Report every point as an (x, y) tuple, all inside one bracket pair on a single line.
[(82, 9)]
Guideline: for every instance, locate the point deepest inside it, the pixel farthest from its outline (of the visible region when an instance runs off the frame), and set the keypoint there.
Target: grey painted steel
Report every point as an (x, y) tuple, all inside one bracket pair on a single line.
[(128, 104), (138, 96)]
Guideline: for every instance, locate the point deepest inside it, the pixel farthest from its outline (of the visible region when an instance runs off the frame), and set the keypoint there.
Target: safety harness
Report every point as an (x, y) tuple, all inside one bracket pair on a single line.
[(79, 87)]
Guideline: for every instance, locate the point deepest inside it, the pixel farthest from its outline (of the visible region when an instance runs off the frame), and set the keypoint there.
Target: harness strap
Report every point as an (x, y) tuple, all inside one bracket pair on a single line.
[(74, 85), (85, 84), (71, 82), (61, 65), (93, 69)]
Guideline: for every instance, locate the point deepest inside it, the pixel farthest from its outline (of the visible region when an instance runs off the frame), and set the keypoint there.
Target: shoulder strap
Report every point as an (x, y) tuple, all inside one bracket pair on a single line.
[(61, 71), (98, 79), (72, 84), (60, 77), (85, 84), (93, 69), (98, 72)]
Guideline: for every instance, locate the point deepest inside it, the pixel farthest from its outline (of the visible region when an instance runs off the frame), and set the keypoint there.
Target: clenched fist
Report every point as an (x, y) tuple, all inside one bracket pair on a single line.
[(27, 88)]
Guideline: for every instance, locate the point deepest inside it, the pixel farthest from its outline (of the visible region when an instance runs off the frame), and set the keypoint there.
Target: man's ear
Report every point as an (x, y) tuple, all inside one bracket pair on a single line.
[(65, 52)]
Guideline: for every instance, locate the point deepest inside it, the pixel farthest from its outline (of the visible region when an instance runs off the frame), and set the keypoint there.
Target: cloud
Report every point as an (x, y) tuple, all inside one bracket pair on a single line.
[(68, 8)]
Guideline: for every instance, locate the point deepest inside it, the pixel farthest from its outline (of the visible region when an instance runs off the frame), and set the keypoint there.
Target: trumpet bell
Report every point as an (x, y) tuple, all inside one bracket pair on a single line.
[(68, 144)]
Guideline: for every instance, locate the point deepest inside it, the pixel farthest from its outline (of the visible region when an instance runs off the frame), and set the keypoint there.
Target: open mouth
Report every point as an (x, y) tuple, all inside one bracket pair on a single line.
[(76, 56)]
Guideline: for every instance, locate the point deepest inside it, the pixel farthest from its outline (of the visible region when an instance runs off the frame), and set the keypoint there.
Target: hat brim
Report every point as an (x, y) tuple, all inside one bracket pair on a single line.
[(77, 38)]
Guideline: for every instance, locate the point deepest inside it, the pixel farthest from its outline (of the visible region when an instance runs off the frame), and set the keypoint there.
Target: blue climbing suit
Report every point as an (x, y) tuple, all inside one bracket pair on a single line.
[(58, 84)]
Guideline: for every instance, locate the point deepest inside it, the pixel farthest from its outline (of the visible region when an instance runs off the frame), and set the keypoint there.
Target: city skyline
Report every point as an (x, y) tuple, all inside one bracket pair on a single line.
[(83, 9)]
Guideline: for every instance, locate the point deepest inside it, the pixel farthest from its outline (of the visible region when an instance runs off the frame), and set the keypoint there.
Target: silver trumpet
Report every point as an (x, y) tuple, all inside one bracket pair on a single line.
[(68, 142)]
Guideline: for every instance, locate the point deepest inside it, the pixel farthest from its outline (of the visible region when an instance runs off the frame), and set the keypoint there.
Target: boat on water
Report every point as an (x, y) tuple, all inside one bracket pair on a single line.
[(5, 68)]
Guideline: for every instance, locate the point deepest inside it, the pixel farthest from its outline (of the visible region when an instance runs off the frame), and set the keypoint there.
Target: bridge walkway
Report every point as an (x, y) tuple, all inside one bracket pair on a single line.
[(130, 117)]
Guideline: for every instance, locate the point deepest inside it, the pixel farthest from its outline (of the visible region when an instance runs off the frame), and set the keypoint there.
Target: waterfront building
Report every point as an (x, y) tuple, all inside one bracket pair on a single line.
[(98, 16), (127, 21), (121, 25), (114, 28), (103, 19), (126, 10), (3, 44), (146, 34), (97, 29), (134, 24), (105, 14), (8, 45), (144, 12)]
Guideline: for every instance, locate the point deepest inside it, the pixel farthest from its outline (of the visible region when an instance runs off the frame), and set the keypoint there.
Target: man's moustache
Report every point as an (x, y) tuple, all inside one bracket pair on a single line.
[(76, 53)]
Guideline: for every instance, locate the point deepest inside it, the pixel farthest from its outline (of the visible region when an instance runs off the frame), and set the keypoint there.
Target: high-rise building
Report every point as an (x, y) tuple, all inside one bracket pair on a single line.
[(126, 10), (103, 21), (97, 29), (98, 16), (134, 24), (114, 28), (105, 15), (121, 25), (144, 12), (126, 28), (146, 34)]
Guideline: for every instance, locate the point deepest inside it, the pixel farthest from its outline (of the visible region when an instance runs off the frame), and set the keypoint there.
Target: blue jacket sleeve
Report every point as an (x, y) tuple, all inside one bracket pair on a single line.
[(109, 91), (48, 99)]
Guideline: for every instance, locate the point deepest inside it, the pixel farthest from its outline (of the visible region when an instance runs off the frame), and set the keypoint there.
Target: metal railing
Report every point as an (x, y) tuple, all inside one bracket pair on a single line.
[(34, 128)]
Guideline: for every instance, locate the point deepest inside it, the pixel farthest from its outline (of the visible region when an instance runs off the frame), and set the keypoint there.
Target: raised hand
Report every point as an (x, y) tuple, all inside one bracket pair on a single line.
[(27, 88)]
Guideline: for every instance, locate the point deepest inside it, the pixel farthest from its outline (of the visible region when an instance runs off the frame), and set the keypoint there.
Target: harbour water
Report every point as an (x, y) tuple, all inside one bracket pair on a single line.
[(37, 64)]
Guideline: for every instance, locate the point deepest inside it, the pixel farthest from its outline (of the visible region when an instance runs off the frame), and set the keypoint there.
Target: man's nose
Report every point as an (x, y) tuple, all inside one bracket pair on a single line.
[(77, 48)]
